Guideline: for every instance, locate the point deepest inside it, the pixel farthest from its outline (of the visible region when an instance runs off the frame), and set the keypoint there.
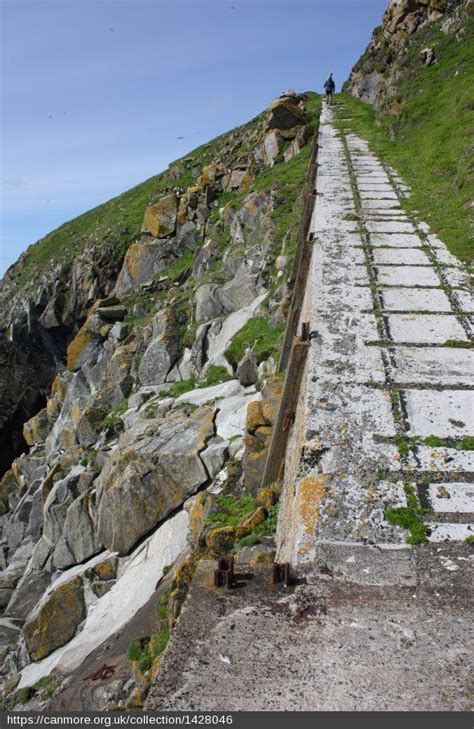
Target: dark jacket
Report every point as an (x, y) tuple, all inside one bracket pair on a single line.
[(330, 86)]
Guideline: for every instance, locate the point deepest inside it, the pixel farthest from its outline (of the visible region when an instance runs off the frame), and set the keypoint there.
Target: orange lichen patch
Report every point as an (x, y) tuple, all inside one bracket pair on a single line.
[(311, 493), (160, 218), (78, 346), (58, 388), (249, 176)]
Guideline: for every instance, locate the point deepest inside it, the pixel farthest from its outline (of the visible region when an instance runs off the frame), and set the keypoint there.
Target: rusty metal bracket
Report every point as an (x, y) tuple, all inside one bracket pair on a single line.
[(288, 420), (281, 573), (224, 574), (305, 331)]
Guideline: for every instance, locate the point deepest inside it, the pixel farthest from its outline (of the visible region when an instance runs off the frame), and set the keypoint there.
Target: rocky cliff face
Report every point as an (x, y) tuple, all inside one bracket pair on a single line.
[(378, 76), (133, 341)]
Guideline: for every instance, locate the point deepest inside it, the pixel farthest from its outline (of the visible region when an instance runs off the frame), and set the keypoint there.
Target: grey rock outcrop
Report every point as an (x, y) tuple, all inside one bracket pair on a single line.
[(155, 468)]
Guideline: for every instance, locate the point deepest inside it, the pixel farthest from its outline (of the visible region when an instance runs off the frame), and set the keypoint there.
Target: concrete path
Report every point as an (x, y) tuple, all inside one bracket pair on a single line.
[(387, 398), (331, 646), (386, 403)]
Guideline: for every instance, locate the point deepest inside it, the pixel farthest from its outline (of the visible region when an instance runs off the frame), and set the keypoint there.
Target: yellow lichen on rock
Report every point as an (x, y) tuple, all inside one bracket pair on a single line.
[(36, 429), (311, 492), (83, 339), (160, 218), (55, 622)]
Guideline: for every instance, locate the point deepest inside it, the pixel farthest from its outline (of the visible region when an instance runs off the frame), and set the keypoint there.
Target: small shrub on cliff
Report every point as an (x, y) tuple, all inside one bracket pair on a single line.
[(115, 415)]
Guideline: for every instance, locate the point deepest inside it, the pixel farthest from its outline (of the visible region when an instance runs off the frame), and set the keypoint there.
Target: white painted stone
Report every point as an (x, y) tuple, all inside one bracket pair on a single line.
[(425, 328), (380, 204), (450, 532), (367, 195), (452, 497), (440, 365), (339, 411), (230, 326), (445, 257), (446, 414), (416, 299), (412, 256), (139, 574), (395, 240), (232, 414), (457, 277), (464, 300), (389, 227), (208, 394), (369, 179), (444, 460), (407, 276), (378, 187), (394, 215)]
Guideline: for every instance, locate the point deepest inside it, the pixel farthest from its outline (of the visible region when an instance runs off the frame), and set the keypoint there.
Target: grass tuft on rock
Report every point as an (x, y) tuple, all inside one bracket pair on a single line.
[(258, 333)]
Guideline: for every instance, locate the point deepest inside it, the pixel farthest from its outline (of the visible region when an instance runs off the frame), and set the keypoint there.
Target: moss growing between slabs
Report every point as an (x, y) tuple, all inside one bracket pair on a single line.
[(409, 517)]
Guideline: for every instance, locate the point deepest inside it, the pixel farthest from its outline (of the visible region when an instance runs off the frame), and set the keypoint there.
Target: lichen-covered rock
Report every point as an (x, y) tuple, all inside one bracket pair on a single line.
[(82, 346), (157, 465), (272, 146), (261, 417), (160, 218), (27, 594), (163, 351), (55, 621), (252, 521), (285, 113), (142, 261), (221, 540), (378, 76), (180, 586), (36, 429), (247, 370)]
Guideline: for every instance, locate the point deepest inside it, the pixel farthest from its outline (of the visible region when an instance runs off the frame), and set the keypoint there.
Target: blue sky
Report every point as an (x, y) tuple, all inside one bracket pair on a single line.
[(96, 92)]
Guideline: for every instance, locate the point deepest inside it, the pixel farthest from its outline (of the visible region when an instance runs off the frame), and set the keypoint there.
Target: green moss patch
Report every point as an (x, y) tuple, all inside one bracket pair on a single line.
[(409, 517), (231, 510)]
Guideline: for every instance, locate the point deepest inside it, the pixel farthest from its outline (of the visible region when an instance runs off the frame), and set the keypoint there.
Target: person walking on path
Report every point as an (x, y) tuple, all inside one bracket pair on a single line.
[(330, 88)]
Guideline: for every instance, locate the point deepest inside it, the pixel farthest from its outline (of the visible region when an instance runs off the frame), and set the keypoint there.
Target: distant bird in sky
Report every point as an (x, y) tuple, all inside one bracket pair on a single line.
[(111, 30), (179, 137)]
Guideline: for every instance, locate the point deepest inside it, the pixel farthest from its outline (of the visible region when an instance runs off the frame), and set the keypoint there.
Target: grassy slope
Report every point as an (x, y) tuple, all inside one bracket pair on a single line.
[(118, 220), (433, 142)]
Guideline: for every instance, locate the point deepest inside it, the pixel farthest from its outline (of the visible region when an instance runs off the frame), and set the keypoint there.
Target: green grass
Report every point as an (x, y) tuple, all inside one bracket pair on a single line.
[(118, 221), (214, 376), (405, 442), (432, 129), (114, 416), (259, 334), (265, 528), (137, 648), (231, 510), (409, 517)]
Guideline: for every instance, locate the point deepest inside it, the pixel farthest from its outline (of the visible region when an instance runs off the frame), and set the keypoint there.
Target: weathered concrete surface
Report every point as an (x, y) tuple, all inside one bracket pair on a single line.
[(388, 361), (324, 647)]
